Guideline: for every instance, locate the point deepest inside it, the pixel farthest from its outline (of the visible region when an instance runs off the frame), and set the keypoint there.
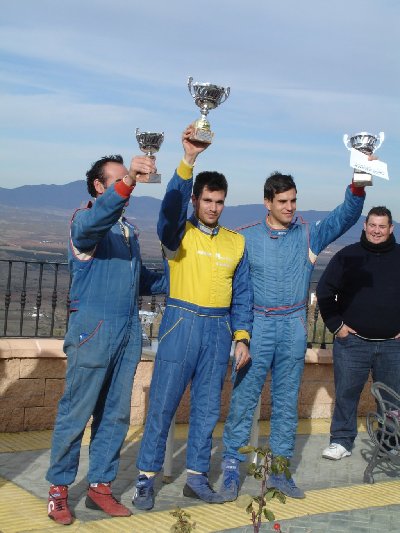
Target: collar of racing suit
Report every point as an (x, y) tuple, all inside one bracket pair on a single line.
[(202, 227)]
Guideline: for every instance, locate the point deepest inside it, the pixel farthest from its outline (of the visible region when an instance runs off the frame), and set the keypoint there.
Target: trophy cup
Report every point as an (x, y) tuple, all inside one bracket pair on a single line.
[(149, 143), (206, 96), (367, 144)]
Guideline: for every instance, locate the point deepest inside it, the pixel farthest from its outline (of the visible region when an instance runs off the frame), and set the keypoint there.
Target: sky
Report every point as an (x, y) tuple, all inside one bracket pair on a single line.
[(78, 77)]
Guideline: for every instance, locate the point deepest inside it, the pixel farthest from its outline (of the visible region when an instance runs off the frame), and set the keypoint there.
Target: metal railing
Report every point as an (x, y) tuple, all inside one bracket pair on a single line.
[(36, 303), (36, 298)]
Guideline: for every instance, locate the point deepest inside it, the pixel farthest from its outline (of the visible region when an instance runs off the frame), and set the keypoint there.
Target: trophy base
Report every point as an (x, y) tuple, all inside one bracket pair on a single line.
[(362, 179), (148, 178), (202, 136)]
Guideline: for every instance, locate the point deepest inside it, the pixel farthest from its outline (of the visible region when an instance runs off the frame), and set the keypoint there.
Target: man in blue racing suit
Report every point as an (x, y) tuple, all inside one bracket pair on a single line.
[(282, 253), (104, 337), (209, 304)]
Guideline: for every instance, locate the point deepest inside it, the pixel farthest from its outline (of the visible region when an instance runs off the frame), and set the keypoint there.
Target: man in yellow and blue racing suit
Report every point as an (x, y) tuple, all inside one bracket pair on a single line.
[(209, 305), (282, 253)]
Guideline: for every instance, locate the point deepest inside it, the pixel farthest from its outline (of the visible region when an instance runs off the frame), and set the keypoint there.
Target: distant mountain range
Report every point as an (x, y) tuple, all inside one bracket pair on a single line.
[(143, 208)]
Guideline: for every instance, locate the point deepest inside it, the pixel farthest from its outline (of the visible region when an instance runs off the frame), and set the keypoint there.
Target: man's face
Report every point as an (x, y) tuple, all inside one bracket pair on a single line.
[(378, 229), (112, 172), (281, 209), (209, 206)]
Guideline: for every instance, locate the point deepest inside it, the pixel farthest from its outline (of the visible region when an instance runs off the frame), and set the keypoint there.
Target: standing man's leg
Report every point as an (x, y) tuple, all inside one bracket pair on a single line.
[(386, 363), (83, 382), (247, 387), (175, 362), (205, 402), (287, 372), (82, 387), (111, 418), (352, 361)]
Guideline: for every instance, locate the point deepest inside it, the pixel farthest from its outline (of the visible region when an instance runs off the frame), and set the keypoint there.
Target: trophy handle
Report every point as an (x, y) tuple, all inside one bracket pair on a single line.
[(381, 138), (346, 140), (189, 84), (226, 94)]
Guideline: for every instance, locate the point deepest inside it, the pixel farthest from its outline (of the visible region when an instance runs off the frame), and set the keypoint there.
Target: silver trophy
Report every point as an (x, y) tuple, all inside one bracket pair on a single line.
[(206, 96), (367, 144), (149, 143)]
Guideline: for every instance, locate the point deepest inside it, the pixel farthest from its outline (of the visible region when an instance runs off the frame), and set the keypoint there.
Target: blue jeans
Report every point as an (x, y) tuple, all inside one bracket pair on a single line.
[(98, 382), (193, 346), (278, 344), (353, 359)]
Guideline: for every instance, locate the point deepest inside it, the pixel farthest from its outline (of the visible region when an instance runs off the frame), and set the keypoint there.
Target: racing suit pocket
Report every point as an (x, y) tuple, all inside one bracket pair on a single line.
[(223, 341), (228, 325), (299, 338), (163, 334), (92, 348), (173, 339)]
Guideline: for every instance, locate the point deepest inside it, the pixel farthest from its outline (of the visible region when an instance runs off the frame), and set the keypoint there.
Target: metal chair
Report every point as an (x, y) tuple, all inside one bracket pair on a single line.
[(384, 428)]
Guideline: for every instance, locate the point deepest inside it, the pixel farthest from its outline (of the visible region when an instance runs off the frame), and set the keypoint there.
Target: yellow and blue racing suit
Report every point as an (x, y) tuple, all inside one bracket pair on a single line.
[(209, 304)]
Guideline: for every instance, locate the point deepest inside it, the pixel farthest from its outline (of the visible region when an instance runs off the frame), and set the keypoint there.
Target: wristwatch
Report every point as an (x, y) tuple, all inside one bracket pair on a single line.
[(245, 341)]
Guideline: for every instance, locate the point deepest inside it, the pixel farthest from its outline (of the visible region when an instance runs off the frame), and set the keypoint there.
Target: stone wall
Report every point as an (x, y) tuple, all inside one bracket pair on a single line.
[(32, 380)]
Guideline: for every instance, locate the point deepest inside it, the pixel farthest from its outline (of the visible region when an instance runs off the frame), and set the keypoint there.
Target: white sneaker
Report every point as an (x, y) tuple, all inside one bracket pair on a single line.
[(335, 451)]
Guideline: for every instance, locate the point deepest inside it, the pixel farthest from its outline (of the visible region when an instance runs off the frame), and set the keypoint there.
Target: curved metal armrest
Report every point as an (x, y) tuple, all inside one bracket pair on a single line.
[(384, 427)]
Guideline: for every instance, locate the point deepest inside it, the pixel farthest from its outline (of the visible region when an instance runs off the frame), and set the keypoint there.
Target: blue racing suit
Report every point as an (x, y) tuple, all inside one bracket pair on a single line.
[(103, 341), (209, 303), (281, 264)]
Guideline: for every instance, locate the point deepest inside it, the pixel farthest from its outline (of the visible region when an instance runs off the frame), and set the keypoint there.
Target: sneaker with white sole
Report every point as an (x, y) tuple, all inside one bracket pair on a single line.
[(335, 452)]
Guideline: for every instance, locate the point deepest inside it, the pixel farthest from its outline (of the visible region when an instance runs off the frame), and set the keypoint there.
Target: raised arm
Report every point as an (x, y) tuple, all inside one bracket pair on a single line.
[(341, 219), (88, 226), (173, 212)]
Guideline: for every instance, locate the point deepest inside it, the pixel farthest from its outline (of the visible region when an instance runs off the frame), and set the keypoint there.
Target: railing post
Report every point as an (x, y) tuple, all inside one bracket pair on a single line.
[(7, 298), (39, 299), (23, 298)]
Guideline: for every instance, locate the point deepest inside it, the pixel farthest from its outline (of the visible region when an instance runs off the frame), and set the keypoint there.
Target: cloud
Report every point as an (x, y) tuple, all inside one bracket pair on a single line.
[(78, 77)]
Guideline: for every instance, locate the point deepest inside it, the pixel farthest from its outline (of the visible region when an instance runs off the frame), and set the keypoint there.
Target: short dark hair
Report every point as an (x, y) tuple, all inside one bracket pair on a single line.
[(214, 181), (380, 211), (277, 183), (96, 171)]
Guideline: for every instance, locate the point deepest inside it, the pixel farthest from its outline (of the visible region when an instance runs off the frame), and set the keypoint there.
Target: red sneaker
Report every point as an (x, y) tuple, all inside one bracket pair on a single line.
[(57, 508), (99, 497)]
